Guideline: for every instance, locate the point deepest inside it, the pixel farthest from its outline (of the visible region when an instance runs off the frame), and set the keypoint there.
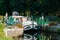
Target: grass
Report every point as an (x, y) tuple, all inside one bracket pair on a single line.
[(2, 34)]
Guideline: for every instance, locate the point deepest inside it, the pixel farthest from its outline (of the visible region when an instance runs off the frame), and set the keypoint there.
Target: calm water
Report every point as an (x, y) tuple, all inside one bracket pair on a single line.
[(38, 35)]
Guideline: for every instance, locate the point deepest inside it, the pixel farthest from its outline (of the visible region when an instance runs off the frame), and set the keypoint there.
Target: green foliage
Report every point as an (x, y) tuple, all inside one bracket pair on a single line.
[(3, 7), (2, 34)]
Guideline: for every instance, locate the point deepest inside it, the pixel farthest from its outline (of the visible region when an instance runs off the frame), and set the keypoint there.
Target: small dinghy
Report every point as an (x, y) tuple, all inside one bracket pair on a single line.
[(14, 27)]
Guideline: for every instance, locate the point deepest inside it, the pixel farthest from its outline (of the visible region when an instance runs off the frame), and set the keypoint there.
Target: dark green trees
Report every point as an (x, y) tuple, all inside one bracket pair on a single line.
[(34, 6)]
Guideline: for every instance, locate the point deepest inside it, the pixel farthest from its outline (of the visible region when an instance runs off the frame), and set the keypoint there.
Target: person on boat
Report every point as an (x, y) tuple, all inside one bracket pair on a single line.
[(15, 13)]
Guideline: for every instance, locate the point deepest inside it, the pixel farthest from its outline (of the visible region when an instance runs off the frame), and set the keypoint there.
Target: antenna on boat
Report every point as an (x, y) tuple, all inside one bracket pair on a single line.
[(6, 17), (6, 14)]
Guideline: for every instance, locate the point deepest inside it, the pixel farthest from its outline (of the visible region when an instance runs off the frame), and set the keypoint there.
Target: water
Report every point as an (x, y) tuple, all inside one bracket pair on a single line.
[(38, 35)]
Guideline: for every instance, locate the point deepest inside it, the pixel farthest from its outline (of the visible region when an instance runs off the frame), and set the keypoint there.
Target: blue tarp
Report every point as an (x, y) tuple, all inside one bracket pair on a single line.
[(10, 21)]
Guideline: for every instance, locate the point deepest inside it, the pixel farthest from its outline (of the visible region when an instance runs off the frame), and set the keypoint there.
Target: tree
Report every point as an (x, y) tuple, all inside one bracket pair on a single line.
[(42, 6)]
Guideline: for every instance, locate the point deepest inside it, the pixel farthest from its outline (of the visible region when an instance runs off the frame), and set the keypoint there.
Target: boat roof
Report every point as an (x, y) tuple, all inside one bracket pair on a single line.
[(17, 16)]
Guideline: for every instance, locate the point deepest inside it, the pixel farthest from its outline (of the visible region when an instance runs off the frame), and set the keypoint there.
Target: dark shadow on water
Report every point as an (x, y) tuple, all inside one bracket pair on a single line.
[(38, 35), (42, 35)]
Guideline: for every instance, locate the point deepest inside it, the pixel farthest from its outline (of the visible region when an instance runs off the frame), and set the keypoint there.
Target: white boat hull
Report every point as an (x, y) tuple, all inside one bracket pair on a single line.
[(13, 32)]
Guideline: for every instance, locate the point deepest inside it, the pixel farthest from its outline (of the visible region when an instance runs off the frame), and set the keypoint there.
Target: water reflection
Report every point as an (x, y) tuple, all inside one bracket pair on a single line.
[(27, 37), (41, 36)]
